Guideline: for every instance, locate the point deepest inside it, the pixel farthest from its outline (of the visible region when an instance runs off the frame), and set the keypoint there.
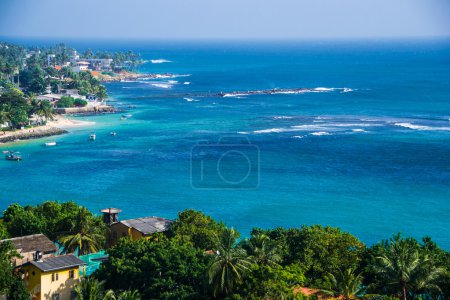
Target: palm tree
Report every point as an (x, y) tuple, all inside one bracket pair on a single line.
[(406, 271), (347, 283), (86, 235), (229, 264), (41, 108), (89, 288), (262, 250)]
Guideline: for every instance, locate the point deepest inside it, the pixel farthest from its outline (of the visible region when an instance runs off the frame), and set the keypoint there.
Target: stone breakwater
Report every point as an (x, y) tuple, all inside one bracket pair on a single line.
[(85, 110), (131, 76), (33, 133)]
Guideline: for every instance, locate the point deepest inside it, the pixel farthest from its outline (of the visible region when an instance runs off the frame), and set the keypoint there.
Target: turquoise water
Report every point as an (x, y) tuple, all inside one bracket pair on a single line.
[(366, 149)]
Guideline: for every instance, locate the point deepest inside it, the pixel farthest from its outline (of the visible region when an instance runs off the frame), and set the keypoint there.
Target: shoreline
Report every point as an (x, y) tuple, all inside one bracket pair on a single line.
[(58, 126)]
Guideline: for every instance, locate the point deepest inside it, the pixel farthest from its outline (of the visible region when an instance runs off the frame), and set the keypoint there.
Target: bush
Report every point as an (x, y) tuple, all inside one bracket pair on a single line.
[(80, 102), (65, 101)]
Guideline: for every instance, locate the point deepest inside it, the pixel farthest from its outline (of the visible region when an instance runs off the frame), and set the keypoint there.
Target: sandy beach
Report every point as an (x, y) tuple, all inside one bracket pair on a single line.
[(59, 125)]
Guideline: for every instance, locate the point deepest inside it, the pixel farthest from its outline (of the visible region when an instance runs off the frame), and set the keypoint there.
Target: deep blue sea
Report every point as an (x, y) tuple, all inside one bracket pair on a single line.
[(366, 148)]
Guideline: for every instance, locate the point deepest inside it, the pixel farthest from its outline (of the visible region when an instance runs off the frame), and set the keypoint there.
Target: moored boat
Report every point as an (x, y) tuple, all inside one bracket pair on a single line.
[(92, 137), (50, 144), (14, 156), (113, 133)]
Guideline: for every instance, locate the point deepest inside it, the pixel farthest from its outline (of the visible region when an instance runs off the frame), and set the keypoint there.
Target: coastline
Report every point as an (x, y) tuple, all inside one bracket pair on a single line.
[(58, 126)]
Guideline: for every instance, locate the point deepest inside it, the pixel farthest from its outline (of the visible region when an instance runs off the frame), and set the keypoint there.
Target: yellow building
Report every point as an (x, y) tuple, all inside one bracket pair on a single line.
[(137, 228), (53, 277)]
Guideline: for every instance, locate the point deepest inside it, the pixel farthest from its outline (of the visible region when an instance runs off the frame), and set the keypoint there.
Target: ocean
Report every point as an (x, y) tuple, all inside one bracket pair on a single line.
[(353, 134)]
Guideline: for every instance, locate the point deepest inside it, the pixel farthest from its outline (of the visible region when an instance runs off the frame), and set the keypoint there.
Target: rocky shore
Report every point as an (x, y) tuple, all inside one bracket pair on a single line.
[(33, 133), (131, 76), (86, 110)]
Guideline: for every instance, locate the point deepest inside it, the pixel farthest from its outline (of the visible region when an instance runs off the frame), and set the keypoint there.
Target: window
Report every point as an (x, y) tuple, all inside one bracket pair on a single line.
[(54, 276), (71, 274), (55, 296)]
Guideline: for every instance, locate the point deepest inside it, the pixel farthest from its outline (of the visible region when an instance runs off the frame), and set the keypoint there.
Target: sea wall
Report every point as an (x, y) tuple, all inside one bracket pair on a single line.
[(31, 134), (86, 109)]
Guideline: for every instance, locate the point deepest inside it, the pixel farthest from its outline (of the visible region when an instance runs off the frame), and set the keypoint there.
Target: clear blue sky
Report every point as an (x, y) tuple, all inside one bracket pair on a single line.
[(240, 19)]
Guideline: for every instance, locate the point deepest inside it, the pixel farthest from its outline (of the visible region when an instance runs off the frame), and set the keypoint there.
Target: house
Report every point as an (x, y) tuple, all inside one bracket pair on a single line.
[(31, 245), (132, 228), (52, 277), (81, 66), (100, 64), (50, 97)]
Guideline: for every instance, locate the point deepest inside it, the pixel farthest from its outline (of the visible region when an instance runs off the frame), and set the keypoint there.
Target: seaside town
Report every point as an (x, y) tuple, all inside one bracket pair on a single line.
[(39, 86)]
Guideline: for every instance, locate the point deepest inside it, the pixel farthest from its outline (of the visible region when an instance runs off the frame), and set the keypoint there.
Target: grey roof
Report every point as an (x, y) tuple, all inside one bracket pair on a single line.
[(58, 263), (33, 243), (148, 225)]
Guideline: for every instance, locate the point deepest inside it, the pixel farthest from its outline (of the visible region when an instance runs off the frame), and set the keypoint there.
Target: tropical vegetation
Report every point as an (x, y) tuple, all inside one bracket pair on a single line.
[(200, 258)]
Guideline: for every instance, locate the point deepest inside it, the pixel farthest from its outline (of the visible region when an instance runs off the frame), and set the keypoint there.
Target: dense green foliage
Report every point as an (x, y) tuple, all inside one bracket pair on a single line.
[(74, 226), (65, 101), (159, 268), (199, 258), (197, 228), (90, 288), (10, 284)]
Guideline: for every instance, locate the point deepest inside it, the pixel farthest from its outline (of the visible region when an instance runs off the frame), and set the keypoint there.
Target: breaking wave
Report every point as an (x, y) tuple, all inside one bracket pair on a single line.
[(159, 61)]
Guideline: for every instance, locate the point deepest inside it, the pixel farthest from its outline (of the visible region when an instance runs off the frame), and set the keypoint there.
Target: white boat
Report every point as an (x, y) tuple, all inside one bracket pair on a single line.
[(14, 156), (123, 118), (113, 133), (127, 116), (50, 144), (92, 137)]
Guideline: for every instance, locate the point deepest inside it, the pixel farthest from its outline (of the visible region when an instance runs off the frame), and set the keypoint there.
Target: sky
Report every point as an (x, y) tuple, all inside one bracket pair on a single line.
[(224, 19)]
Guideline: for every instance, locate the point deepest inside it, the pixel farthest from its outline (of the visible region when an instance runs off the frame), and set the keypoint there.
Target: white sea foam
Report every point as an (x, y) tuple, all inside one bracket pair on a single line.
[(282, 117), (191, 100), (358, 130), (172, 81), (234, 95), (165, 76), (324, 89), (162, 85), (319, 133), (298, 136), (160, 61), (421, 127), (271, 130)]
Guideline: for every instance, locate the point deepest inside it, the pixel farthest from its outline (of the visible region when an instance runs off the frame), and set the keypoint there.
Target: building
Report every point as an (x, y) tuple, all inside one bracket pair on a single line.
[(81, 66), (30, 246), (74, 93), (53, 98), (132, 228), (99, 64), (53, 277)]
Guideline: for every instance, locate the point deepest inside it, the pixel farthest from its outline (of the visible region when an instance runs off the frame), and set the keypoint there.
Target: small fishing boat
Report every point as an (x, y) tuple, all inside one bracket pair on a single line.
[(14, 156), (92, 137), (113, 133), (50, 144), (5, 151)]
